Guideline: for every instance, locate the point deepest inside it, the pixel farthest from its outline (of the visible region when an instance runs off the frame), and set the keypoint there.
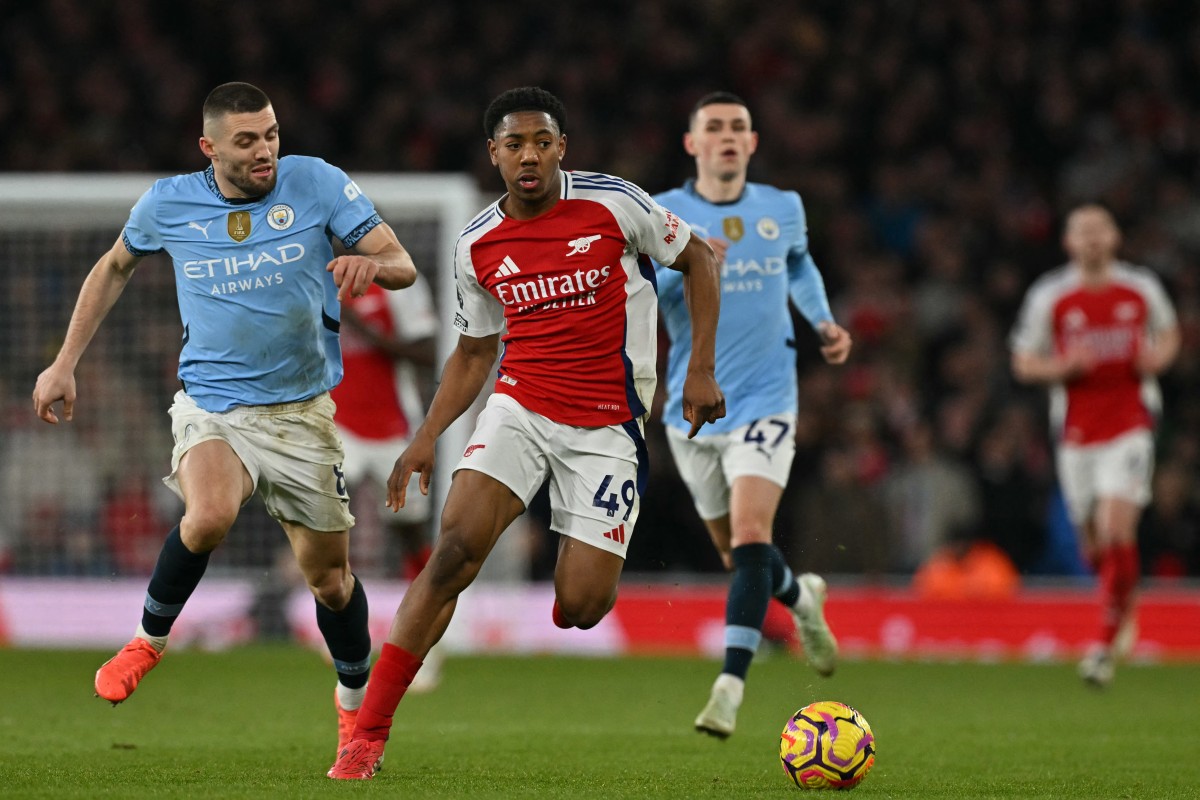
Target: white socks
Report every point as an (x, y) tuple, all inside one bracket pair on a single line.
[(350, 699), (159, 643)]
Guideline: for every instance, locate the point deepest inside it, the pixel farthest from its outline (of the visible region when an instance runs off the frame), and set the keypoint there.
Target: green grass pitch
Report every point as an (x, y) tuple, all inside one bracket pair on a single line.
[(258, 723)]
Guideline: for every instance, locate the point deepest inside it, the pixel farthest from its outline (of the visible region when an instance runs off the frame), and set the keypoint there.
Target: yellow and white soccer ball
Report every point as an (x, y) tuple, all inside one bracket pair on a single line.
[(827, 745)]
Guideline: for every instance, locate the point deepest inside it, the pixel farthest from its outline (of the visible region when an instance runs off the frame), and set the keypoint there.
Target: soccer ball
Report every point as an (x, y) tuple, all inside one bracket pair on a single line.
[(827, 745)]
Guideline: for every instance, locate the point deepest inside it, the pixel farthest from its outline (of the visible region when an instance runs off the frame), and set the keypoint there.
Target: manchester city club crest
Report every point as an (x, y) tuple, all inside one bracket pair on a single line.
[(768, 229), (238, 225), (281, 216)]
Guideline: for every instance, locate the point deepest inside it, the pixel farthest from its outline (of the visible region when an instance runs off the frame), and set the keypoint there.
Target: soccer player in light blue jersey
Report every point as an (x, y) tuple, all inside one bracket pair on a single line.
[(259, 291), (736, 468)]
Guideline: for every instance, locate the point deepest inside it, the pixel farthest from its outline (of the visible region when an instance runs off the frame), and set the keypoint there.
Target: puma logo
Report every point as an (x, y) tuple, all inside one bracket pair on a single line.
[(202, 228)]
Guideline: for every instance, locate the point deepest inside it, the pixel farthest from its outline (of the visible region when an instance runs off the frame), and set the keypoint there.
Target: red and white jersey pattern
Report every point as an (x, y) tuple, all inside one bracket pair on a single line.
[(576, 291), (1112, 321), (378, 397)]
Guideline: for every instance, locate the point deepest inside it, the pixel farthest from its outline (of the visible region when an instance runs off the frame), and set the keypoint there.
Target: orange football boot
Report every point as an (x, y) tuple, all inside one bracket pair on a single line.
[(120, 675)]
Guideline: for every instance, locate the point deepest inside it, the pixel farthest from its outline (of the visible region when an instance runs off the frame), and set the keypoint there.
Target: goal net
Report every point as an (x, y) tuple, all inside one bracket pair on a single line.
[(86, 498)]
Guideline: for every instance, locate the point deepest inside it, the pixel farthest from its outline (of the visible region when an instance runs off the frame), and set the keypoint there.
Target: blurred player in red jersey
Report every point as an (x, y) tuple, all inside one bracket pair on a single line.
[(560, 265), (1099, 331), (387, 337)]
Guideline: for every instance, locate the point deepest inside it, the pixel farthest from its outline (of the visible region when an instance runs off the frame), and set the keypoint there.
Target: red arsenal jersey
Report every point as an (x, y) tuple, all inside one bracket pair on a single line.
[(1111, 321), (378, 397), (574, 293)]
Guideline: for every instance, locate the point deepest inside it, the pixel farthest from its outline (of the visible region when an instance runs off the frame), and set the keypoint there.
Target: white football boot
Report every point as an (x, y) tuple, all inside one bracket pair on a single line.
[(820, 646)]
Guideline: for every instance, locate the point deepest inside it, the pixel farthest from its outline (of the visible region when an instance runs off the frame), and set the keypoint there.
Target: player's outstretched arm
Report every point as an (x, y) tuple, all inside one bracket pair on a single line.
[(377, 257), (702, 398), (466, 371), (100, 291)]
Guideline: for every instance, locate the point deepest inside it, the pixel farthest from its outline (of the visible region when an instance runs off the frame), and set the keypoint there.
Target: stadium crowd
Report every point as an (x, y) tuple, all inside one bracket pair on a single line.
[(936, 145)]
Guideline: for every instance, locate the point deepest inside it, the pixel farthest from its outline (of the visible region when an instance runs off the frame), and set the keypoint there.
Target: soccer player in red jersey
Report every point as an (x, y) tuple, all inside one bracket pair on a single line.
[(386, 338), (1099, 331), (559, 270)]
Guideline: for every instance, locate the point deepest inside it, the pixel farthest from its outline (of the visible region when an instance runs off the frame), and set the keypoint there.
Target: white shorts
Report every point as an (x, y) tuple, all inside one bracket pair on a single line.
[(1122, 468), (597, 475), (291, 450), (709, 464), (373, 459)]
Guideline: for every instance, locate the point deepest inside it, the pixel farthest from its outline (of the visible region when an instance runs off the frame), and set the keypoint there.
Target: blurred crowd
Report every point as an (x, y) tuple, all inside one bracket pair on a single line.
[(936, 145)]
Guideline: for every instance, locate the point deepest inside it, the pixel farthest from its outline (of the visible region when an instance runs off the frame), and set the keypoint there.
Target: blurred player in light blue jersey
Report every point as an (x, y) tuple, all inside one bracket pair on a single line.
[(259, 291), (736, 468)]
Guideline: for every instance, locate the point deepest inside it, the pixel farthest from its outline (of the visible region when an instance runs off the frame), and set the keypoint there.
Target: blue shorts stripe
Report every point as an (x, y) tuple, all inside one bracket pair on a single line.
[(643, 456)]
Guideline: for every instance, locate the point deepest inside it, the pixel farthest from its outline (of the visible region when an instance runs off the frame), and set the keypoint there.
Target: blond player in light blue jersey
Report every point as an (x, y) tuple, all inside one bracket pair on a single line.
[(736, 468), (259, 291)]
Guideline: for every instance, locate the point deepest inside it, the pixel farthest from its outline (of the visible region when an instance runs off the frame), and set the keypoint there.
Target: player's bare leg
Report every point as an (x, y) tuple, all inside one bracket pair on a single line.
[(214, 484), (585, 583), (416, 552), (478, 509), (754, 502), (744, 539), (341, 605)]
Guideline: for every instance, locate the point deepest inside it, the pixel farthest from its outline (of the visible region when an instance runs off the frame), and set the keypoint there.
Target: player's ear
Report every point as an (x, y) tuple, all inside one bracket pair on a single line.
[(562, 146), (206, 147), (689, 144), (753, 142), (491, 145)]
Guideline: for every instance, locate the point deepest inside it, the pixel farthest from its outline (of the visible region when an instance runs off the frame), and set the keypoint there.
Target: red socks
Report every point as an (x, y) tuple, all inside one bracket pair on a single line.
[(1119, 568), (390, 678), (557, 616)]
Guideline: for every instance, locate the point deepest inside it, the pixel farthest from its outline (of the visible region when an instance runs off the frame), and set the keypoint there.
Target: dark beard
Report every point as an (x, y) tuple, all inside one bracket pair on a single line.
[(252, 189)]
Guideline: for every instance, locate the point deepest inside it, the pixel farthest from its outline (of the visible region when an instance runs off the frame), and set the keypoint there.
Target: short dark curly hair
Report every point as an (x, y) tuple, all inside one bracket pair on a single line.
[(525, 98), (234, 98)]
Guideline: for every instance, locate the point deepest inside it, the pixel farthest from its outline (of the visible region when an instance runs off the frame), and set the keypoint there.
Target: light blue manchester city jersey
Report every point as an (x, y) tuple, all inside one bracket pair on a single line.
[(768, 261), (260, 313)]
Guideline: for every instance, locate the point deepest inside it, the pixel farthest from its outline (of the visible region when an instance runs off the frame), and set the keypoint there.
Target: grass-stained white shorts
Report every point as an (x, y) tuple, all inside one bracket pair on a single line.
[(709, 464), (1122, 468), (292, 452), (597, 475)]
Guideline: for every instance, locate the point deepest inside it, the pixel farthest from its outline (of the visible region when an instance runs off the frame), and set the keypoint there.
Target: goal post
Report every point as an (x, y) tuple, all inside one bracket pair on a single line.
[(53, 227)]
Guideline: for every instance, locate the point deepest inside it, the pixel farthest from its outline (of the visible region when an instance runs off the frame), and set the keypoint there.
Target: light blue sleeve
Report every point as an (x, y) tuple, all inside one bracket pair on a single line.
[(141, 230), (805, 284), (352, 215)]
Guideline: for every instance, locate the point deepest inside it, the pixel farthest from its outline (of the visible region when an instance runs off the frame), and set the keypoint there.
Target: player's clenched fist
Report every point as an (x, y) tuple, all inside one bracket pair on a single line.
[(54, 385)]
